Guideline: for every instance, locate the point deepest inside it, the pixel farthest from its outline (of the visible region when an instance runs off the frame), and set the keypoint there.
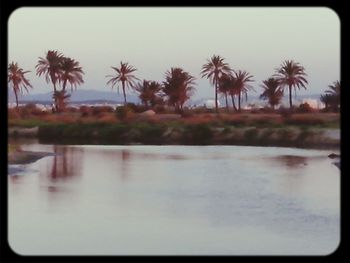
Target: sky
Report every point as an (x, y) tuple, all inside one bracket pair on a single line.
[(153, 40)]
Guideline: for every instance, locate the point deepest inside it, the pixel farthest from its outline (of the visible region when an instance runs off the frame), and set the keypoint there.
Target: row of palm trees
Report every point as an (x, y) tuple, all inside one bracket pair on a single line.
[(57, 69), (177, 88)]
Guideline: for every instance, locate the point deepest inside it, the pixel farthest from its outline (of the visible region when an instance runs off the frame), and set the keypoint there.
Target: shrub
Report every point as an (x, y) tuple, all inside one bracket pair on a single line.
[(85, 111), (200, 134), (304, 108), (123, 113), (251, 134), (98, 110)]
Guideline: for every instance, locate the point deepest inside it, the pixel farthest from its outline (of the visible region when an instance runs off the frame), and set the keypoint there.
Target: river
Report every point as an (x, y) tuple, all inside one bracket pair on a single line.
[(174, 200)]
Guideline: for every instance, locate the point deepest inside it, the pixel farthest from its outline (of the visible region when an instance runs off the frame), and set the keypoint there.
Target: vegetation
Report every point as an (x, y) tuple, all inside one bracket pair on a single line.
[(272, 92), (178, 87), (331, 98), (150, 93), (214, 70), (17, 79), (60, 69), (292, 75), (242, 86), (123, 76), (173, 122)]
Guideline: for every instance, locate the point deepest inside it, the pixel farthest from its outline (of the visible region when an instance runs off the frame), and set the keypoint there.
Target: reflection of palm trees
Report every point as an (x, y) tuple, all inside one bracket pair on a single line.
[(125, 156), (66, 163), (293, 161)]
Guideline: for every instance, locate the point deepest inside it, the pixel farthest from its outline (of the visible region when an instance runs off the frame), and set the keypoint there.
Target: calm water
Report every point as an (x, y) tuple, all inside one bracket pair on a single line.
[(232, 200)]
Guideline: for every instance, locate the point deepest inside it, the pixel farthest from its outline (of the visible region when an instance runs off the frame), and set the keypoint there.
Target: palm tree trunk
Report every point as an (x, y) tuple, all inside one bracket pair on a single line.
[(123, 85), (64, 84), (16, 98), (55, 90), (233, 102), (290, 97), (216, 96), (239, 101), (226, 101)]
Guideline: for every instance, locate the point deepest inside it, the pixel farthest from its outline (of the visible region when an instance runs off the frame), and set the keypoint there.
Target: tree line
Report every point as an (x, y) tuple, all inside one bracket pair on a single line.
[(178, 85)]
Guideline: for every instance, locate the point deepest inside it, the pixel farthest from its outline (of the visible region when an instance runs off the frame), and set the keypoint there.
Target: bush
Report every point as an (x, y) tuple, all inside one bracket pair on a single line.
[(200, 134), (124, 113), (85, 111), (304, 108), (251, 134), (98, 110)]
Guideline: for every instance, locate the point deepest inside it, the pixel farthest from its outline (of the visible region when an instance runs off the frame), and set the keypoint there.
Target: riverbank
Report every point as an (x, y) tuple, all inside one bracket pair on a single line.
[(182, 134)]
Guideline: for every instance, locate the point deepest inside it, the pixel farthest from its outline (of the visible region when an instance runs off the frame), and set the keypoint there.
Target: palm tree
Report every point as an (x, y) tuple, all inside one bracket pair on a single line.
[(50, 66), (178, 87), (225, 87), (61, 97), (149, 92), (241, 85), (213, 70), (70, 72), (124, 76), (334, 91), (331, 98), (17, 79), (328, 100), (292, 75), (272, 92)]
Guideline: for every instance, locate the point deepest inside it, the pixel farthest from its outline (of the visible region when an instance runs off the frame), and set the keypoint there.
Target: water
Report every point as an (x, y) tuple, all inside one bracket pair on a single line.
[(175, 200)]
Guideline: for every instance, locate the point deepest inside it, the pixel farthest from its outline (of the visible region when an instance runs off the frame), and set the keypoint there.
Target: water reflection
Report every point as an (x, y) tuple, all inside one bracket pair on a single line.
[(66, 163), (292, 161)]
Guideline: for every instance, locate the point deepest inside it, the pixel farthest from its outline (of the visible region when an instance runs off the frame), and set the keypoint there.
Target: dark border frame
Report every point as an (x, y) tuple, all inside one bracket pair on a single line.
[(7, 255)]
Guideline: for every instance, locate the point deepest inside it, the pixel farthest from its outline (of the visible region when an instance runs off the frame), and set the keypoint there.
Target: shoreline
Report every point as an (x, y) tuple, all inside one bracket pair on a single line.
[(159, 134)]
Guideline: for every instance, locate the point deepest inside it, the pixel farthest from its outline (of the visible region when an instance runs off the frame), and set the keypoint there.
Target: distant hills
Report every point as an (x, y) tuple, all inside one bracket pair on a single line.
[(77, 96)]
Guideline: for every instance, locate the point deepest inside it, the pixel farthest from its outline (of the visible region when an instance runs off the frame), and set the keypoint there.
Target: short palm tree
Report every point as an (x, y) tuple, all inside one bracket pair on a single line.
[(292, 75), (149, 92), (334, 90), (50, 66), (327, 100), (272, 91), (241, 85), (61, 97), (225, 87), (123, 76), (331, 98), (213, 70), (178, 87), (17, 79), (71, 73)]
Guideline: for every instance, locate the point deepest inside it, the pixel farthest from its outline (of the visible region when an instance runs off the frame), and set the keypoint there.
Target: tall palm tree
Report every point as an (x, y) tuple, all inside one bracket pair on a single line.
[(17, 79), (124, 76), (50, 66), (241, 85), (292, 75), (272, 92), (70, 72), (213, 70), (149, 92), (178, 87)]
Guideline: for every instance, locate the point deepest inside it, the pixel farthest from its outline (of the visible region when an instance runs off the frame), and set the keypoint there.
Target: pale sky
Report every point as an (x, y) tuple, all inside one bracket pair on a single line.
[(155, 39)]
